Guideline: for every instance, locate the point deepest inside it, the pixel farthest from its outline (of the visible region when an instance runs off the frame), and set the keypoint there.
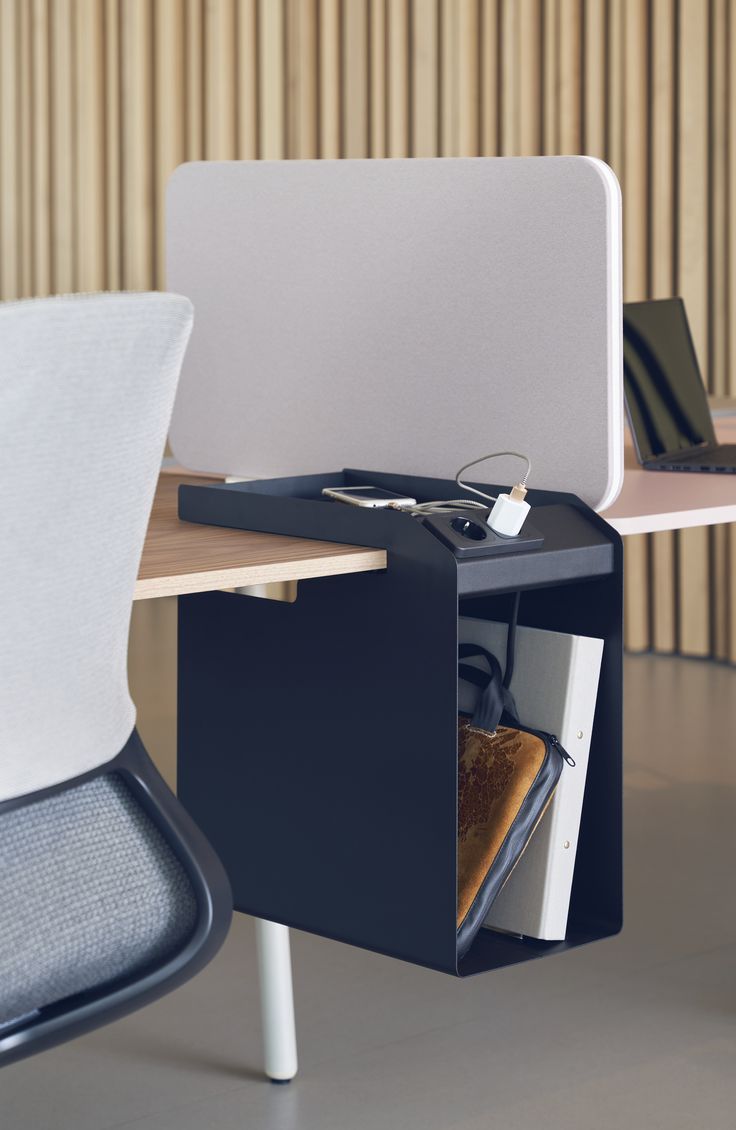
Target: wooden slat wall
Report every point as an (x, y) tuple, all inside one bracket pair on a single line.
[(101, 99)]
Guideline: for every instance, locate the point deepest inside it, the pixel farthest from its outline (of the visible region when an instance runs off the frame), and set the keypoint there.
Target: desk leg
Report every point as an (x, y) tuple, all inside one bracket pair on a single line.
[(277, 1000)]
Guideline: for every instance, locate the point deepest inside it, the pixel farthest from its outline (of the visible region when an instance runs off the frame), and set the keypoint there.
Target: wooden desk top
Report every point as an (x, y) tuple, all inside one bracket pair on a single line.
[(180, 557), (657, 500)]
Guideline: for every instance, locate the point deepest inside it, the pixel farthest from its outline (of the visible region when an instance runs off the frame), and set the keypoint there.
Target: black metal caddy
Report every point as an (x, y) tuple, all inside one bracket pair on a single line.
[(318, 739)]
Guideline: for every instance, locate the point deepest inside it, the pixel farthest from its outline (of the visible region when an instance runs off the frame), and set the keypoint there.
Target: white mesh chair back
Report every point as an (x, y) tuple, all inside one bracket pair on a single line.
[(109, 895), (87, 385)]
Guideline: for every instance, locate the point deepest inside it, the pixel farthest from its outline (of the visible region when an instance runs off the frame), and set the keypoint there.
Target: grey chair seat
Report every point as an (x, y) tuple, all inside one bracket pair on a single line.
[(90, 893)]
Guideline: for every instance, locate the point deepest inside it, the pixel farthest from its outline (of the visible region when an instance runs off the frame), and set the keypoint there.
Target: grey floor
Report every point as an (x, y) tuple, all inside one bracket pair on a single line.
[(636, 1033)]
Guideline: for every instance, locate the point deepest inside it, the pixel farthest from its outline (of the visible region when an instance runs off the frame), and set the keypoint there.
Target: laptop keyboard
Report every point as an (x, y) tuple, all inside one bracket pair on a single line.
[(721, 458)]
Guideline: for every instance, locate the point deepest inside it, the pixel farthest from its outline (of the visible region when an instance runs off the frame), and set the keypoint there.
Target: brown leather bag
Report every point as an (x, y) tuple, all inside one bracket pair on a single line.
[(507, 775)]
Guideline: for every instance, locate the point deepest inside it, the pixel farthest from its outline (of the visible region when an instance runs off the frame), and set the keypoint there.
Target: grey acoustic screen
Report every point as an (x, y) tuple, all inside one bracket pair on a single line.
[(402, 315), (90, 892)]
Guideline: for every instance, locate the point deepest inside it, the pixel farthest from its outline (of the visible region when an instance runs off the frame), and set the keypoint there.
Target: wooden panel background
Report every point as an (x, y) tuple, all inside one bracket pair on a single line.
[(101, 99)]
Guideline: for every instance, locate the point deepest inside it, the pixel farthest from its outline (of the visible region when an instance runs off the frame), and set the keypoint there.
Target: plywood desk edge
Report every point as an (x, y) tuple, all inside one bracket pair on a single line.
[(180, 558), (182, 584)]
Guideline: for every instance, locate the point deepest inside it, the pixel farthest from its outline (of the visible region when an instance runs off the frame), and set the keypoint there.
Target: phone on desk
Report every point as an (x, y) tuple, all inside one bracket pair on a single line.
[(374, 497)]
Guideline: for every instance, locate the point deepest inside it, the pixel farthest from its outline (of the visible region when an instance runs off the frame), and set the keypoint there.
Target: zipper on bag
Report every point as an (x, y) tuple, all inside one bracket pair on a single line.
[(561, 750)]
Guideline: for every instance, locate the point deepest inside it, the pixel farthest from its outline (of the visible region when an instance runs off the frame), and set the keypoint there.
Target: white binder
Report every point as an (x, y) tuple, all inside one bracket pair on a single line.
[(555, 684)]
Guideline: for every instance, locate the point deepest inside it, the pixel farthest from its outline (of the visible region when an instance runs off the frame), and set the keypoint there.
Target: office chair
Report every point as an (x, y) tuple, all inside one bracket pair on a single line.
[(109, 894)]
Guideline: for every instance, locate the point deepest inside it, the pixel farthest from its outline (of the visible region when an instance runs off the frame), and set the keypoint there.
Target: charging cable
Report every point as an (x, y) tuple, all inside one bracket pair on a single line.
[(520, 486), (508, 511), (420, 509)]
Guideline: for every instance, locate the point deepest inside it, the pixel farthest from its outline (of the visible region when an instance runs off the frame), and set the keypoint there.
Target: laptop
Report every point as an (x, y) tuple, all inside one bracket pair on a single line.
[(666, 400)]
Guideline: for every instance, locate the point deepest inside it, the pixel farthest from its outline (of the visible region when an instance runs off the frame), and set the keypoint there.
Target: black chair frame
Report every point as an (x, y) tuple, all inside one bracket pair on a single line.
[(83, 1012)]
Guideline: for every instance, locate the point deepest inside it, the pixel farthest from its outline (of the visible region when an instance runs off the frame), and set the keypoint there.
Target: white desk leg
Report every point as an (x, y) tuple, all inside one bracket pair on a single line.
[(277, 1000)]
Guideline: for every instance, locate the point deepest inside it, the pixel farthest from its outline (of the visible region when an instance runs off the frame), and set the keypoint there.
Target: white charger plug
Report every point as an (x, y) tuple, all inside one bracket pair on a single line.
[(509, 512)]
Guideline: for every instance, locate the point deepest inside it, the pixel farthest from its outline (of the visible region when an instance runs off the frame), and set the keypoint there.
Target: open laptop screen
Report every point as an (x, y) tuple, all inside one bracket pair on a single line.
[(666, 401)]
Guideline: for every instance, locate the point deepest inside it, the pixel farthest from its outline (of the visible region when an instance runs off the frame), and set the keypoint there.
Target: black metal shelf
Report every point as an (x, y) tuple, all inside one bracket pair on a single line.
[(318, 740)]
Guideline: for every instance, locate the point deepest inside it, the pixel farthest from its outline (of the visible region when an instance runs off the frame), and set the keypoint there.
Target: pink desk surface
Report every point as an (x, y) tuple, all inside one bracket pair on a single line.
[(662, 500)]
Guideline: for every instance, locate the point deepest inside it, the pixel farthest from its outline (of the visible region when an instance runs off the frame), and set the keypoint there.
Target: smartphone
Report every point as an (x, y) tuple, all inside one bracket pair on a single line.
[(369, 496)]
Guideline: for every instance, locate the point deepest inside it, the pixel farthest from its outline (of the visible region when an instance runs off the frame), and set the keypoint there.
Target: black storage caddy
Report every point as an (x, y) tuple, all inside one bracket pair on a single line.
[(318, 740)]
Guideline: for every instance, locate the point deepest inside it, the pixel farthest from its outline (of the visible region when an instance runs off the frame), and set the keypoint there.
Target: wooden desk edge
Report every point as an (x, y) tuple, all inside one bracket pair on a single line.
[(180, 558), (182, 584)]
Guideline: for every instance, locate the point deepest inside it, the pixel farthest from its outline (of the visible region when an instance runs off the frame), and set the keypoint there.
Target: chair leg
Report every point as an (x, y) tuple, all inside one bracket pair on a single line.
[(277, 1000)]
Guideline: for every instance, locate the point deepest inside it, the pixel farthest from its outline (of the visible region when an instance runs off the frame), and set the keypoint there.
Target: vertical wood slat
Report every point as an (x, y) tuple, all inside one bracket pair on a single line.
[(551, 77), (378, 83), (100, 99), (616, 89), (450, 78), (137, 139), (717, 292), (41, 149), (302, 78), (272, 79), (398, 78), (9, 151), (662, 276), (730, 611), (509, 93), (247, 79), (220, 99), (489, 81), (355, 95), (718, 295), (194, 36), (636, 154), (90, 164), (692, 172), (530, 78), (113, 146), (25, 152), (594, 79), (425, 78), (169, 106), (329, 78), (692, 284), (635, 188), (63, 149), (469, 93), (571, 17)]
